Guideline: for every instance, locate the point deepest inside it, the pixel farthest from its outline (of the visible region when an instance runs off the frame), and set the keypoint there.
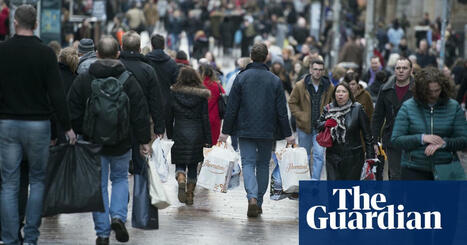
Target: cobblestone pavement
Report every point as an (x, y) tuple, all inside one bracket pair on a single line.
[(215, 218)]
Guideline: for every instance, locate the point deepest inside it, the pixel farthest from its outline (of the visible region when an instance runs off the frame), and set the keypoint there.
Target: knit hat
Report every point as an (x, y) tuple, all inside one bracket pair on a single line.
[(277, 59), (86, 45)]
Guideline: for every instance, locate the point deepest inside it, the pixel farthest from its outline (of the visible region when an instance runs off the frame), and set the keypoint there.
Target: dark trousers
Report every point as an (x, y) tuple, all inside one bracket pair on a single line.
[(415, 174), (394, 162)]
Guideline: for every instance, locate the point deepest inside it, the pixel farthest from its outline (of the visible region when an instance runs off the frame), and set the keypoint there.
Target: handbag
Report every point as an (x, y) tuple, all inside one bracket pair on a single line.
[(324, 137), (222, 102)]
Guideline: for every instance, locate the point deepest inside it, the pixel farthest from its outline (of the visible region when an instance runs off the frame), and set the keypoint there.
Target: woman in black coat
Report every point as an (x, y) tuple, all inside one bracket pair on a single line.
[(346, 118), (188, 126)]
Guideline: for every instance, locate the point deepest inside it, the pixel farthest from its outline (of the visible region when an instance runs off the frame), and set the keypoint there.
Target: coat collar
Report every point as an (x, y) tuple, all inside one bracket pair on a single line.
[(198, 91)]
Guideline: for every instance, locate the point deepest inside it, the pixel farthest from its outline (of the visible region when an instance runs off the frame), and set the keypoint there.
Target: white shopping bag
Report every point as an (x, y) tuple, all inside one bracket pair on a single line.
[(219, 163), (159, 160), (166, 147), (293, 165), (159, 198)]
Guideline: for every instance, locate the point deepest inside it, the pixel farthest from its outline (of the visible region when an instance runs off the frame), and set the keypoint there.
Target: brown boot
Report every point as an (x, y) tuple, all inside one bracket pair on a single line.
[(252, 208), (181, 179), (190, 189)]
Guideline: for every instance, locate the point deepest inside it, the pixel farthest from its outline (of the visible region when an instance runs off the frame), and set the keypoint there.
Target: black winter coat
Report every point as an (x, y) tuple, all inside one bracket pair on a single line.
[(67, 77), (166, 70), (139, 116), (188, 124), (387, 106), (345, 161), (148, 80), (256, 106)]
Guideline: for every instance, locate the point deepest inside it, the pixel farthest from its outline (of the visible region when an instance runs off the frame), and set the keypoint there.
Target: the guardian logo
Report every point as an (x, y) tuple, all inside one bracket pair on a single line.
[(369, 212)]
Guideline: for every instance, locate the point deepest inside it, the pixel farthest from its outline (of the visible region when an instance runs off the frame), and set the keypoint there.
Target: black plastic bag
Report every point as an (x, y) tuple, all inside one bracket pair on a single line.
[(144, 215), (73, 183)]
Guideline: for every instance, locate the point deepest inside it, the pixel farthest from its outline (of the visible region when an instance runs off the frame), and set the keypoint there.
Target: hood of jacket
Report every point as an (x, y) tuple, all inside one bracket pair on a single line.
[(324, 80), (190, 96), (106, 68), (158, 55), (133, 56)]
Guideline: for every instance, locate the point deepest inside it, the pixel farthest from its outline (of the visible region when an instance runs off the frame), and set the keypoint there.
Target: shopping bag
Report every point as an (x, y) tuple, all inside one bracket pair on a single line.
[(293, 166), (166, 146), (73, 182), (157, 192), (216, 172), (144, 215), (159, 160), (369, 169)]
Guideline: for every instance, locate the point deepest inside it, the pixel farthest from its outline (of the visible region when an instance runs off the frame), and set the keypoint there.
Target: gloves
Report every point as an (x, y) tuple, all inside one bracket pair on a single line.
[(330, 123)]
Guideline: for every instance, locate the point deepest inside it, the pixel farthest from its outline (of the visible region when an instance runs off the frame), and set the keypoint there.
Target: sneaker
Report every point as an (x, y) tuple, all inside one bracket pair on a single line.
[(102, 241), (293, 196), (121, 234)]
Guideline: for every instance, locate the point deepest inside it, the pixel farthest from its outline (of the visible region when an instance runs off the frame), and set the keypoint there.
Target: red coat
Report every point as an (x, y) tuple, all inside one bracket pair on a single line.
[(4, 15), (213, 107)]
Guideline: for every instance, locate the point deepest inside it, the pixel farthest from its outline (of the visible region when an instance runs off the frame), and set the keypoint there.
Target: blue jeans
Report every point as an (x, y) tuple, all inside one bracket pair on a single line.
[(308, 141), (276, 174), (33, 138), (255, 154), (119, 197)]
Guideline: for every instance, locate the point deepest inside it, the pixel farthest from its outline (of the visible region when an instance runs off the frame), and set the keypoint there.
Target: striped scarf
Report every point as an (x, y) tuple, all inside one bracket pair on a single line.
[(338, 113)]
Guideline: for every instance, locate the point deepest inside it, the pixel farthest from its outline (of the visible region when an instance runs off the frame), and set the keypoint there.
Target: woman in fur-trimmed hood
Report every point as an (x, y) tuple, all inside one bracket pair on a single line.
[(188, 126)]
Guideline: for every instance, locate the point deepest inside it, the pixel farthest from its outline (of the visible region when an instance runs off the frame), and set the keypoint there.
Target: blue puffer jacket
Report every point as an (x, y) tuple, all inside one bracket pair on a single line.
[(445, 119), (256, 106)]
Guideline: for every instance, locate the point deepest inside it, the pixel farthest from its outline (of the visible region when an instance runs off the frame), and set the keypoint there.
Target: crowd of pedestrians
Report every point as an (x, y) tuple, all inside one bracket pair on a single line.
[(281, 88)]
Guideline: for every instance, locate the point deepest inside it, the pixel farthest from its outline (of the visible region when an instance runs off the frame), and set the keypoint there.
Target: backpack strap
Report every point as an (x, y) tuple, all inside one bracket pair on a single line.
[(123, 77)]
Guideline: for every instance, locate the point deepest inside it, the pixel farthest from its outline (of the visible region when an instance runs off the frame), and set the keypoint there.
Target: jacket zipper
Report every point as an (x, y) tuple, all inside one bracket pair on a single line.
[(431, 115)]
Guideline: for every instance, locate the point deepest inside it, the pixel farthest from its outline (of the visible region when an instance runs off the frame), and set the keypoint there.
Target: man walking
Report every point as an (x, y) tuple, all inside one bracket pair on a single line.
[(165, 67), (306, 103), (137, 64), (391, 96), (31, 91), (257, 115), (129, 116)]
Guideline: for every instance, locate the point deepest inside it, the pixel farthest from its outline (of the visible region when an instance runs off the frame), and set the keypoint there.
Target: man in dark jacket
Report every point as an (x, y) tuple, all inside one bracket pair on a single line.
[(31, 91), (165, 67), (424, 57), (115, 156), (257, 115), (391, 96), (148, 80)]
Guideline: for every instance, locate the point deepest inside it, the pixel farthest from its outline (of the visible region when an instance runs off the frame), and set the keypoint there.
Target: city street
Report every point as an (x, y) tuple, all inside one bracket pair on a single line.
[(215, 218)]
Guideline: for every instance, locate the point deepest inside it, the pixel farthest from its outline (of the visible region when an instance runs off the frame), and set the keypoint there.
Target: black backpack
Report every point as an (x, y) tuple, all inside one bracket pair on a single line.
[(107, 114)]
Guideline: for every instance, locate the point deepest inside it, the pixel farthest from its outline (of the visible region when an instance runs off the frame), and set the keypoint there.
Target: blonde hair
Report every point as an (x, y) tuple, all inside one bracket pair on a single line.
[(69, 57)]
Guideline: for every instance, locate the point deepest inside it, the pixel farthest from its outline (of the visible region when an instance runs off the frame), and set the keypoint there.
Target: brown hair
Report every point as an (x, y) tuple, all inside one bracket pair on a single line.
[(351, 76), (206, 70), (69, 57), (259, 52), (188, 77), (431, 75)]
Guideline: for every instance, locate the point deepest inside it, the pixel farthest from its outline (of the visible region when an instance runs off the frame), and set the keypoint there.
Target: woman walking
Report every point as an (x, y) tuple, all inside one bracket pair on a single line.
[(431, 127), (189, 128), (346, 118), (209, 80)]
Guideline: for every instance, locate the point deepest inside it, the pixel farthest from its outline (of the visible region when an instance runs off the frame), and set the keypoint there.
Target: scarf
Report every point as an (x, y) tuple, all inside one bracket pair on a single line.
[(338, 113)]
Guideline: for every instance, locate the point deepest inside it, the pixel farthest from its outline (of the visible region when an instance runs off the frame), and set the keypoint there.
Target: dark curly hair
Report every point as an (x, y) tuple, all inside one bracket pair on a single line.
[(431, 75), (188, 77)]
